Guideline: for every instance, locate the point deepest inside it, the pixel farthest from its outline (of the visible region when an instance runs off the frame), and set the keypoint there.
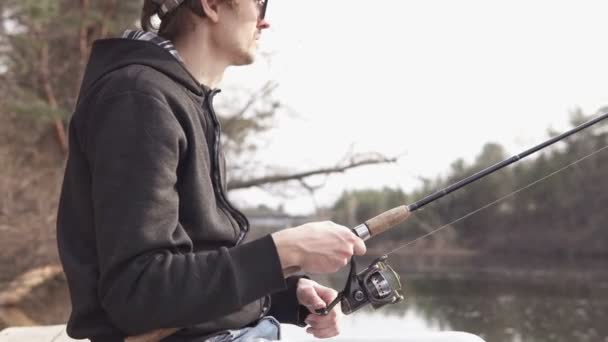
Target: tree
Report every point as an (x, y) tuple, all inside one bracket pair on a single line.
[(49, 44)]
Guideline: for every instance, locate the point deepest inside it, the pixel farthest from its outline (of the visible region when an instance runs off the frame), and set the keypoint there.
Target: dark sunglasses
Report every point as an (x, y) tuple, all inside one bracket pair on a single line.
[(262, 5)]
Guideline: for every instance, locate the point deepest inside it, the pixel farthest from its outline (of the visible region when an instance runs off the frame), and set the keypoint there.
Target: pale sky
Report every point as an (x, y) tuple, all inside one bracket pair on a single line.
[(436, 79)]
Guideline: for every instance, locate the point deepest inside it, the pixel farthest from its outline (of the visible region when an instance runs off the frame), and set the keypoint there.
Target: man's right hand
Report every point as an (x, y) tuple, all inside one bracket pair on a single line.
[(317, 247)]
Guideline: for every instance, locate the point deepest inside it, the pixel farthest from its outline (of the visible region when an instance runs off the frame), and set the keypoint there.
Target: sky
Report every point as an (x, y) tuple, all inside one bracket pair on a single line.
[(430, 80)]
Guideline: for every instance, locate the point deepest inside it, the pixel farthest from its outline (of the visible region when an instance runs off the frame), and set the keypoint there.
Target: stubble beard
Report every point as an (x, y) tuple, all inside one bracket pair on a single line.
[(246, 56)]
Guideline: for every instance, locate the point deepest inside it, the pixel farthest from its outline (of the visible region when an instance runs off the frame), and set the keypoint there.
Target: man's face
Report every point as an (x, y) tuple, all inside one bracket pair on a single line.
[(239, 29)]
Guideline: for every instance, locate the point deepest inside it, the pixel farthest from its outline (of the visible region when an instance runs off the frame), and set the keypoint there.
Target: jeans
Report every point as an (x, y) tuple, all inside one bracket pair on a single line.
[(265, 330)]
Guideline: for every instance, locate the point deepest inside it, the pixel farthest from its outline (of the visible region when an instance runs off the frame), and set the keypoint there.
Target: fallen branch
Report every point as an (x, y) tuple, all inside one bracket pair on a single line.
[(14, 317), (24, 284)]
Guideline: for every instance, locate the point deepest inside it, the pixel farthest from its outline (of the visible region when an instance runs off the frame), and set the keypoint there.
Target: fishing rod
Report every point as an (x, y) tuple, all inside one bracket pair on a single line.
[(379, 284)]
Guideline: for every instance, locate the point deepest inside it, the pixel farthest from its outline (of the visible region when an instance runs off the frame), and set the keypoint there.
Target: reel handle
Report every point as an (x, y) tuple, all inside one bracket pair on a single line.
[(325, 311)]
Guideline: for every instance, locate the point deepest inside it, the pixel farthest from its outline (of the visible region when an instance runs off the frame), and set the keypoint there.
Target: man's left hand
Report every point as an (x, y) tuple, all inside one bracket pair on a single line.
[(315, 296)]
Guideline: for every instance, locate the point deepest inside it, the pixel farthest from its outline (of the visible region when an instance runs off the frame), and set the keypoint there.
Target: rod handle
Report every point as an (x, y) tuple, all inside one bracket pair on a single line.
[(387, 220), (153, 336)]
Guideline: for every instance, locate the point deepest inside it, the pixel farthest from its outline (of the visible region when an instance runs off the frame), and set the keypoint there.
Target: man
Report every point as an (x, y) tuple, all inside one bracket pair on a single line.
[(146, 234)]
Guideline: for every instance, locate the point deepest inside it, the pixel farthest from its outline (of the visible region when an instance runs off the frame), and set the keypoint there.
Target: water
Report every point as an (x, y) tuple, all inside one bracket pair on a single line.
[(509, 300), (500, 300)]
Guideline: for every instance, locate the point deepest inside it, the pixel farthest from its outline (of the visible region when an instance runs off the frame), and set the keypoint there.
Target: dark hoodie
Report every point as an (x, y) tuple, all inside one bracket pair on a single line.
[(146, 235)]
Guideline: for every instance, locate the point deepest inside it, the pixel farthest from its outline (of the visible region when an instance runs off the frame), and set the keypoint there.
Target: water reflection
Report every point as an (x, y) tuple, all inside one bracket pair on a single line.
[(504, 301), (500, 300)]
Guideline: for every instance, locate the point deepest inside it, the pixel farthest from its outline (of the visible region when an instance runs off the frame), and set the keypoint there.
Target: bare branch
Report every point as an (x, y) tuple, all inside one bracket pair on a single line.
[(311, 192), (20, 287), (311, 188), (278, 178), (263, 92)]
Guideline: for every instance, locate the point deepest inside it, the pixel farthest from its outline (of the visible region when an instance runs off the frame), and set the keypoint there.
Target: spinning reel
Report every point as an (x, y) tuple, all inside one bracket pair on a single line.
[(377, 285)]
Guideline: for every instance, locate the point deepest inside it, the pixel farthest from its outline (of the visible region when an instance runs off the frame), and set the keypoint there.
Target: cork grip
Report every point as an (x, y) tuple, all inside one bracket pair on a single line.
[(388, 219), (154, 336)]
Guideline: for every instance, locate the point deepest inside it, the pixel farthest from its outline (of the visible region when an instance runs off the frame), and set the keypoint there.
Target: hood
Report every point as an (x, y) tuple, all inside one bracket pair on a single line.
[(108, 55)]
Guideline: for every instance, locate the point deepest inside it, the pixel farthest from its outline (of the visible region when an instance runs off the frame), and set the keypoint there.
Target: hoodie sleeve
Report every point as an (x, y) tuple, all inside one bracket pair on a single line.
[(147, 280), (285, 306)]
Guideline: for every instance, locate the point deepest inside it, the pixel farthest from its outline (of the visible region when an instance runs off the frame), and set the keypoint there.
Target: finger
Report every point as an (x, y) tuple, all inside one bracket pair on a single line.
[(307, 296), (323, 333), (316, 319), (322, 322), (359, 247), (327, 294)]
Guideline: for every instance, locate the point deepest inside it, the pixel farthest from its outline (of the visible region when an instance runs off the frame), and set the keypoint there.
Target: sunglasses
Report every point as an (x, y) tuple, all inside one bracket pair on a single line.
[(262, 5)]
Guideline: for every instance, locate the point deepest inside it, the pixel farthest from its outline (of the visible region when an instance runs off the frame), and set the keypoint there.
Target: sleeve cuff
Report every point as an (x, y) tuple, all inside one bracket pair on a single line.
[(285, 306), (261, 272)]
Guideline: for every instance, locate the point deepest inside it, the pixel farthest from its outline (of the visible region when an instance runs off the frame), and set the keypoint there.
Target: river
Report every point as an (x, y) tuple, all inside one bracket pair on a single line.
[(501, 300)]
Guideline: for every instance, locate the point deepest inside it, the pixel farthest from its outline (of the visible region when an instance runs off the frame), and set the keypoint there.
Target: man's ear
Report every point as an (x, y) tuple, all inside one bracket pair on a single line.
[(211, 9)]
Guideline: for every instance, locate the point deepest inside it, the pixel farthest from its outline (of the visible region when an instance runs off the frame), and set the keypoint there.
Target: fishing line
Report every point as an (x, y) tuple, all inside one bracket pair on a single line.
[(498, 200)]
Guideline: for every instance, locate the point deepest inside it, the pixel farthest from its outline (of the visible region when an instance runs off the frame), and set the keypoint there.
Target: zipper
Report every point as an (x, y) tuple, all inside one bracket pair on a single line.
[(241, 220)]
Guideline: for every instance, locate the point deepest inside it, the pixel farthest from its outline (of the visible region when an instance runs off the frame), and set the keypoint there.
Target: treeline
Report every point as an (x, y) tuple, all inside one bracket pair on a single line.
[(565, 214)]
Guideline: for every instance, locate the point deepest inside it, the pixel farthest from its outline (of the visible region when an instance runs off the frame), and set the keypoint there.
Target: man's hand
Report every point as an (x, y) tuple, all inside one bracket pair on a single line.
[(317, 247), (315, 296)]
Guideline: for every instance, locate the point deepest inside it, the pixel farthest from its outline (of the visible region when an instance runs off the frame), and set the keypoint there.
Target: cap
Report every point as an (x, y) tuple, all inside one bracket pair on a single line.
[(166, 6)]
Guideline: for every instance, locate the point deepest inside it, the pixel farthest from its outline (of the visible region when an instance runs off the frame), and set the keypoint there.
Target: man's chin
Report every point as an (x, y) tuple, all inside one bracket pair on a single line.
[(245, 59)]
